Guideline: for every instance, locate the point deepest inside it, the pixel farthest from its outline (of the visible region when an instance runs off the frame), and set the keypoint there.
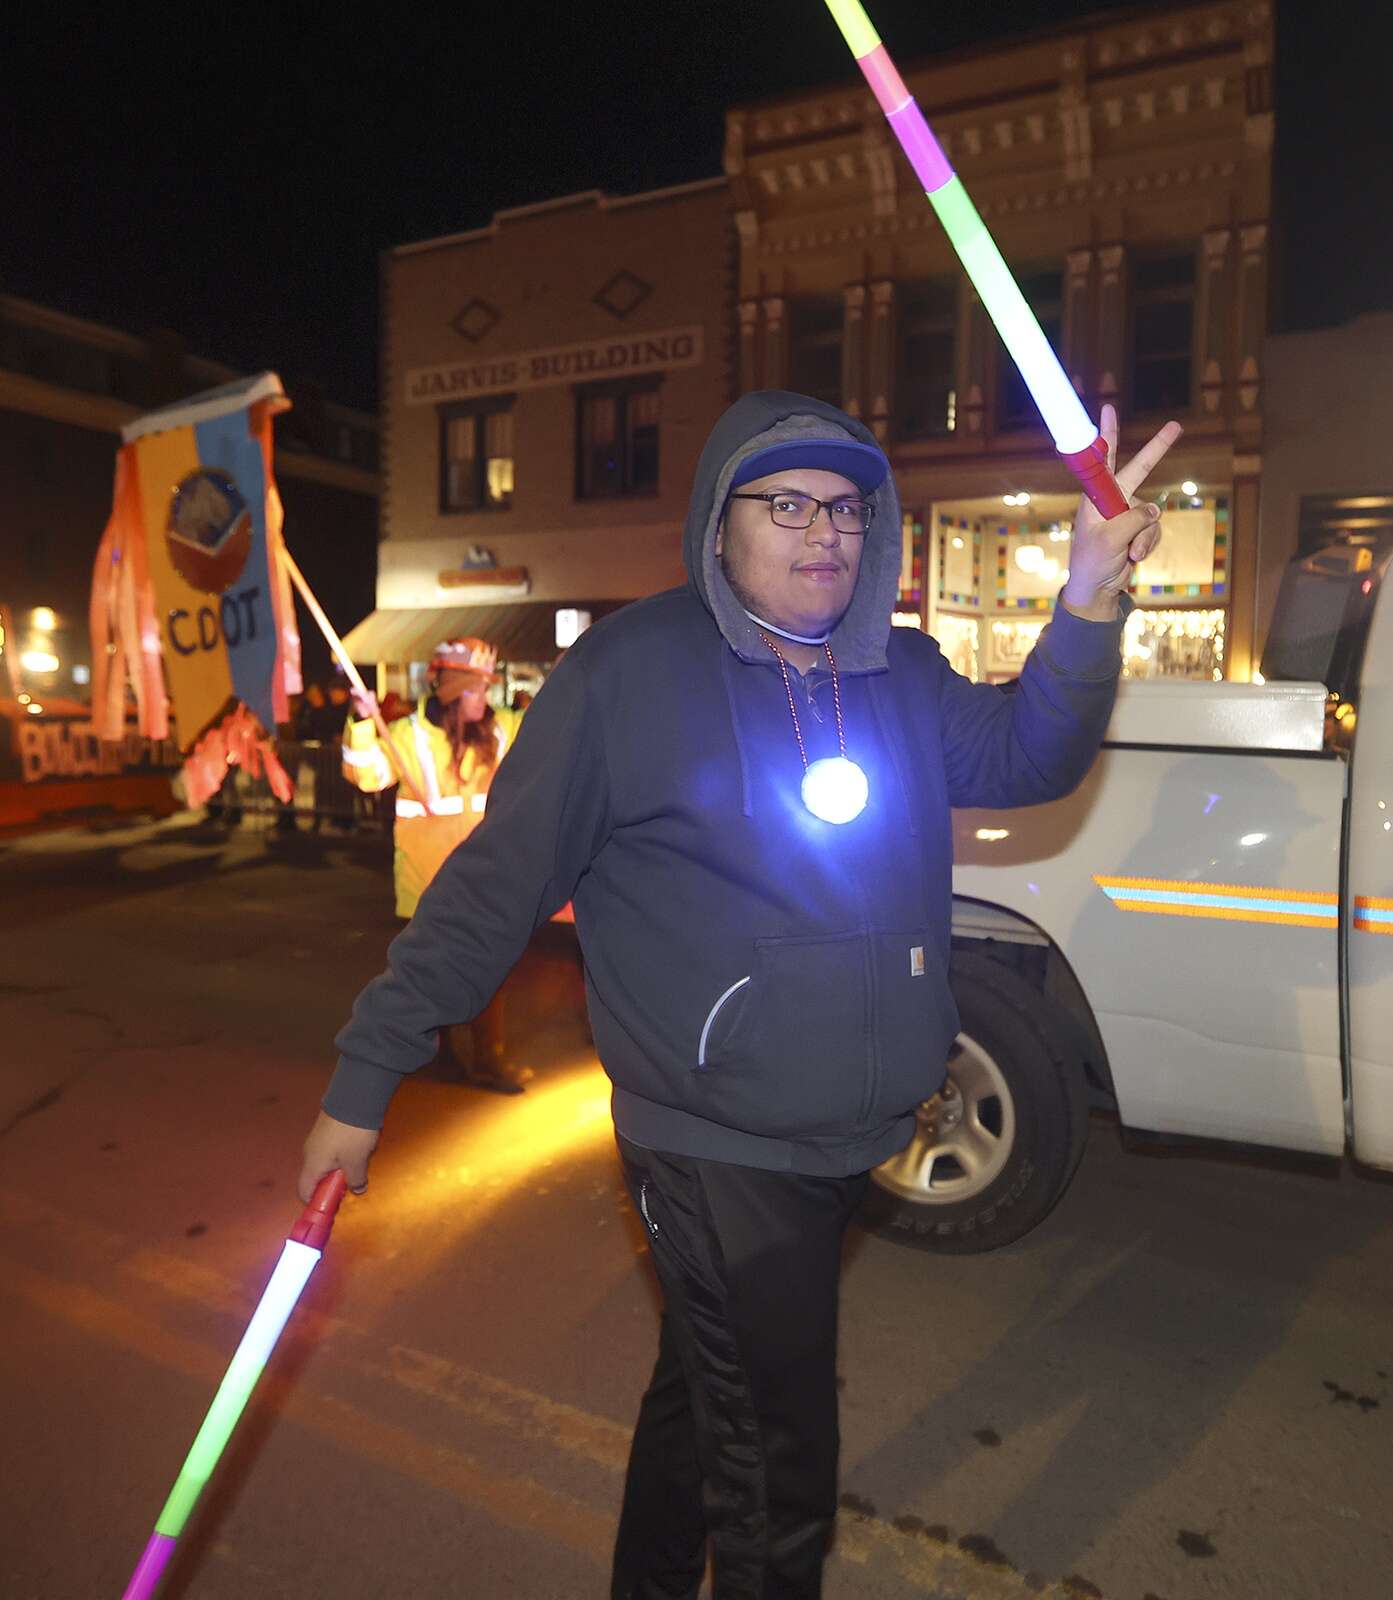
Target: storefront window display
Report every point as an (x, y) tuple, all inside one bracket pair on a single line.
[(1174, 644), (1032, 564), (1008, 570), (959, 561), (959, 640), (1191, 561), (1011, 642)]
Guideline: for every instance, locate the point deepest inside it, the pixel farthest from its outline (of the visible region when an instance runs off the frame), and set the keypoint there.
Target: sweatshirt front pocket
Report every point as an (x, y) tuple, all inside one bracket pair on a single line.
[(787, 1050), (915, 1019)]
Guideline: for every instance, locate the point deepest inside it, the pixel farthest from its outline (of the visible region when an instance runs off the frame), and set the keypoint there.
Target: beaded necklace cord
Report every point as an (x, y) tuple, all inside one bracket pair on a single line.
[(793, 709)]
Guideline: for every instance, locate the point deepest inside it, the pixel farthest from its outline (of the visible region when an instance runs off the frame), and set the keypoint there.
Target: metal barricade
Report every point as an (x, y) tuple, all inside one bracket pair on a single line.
[(323, 797)]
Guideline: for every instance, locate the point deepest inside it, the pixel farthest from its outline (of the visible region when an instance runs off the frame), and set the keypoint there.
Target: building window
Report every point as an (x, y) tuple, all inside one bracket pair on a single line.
[(815, 347), (1163, 327), (1044, 290), (617, 439), (476, 456), (926, 400)]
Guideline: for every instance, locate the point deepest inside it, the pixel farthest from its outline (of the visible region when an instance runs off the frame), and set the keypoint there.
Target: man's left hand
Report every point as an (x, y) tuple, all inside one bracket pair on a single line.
[(1104, 551)]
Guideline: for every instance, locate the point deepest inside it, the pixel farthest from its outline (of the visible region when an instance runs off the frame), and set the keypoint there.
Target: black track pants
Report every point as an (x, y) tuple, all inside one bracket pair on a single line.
[(737, 1435)]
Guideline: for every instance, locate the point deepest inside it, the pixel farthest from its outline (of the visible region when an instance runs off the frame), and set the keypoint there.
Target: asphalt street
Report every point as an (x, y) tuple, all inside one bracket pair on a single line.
[(1178, 1388)]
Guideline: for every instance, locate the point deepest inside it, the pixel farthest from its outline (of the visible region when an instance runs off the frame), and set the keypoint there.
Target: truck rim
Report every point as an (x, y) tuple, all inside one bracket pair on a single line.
[(963, 1135)]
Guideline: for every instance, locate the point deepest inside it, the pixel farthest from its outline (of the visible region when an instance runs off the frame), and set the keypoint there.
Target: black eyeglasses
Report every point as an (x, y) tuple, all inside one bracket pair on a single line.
[(790, 508)]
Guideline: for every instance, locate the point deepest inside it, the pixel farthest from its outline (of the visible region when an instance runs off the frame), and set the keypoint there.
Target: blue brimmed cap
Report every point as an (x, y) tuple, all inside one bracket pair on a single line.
[(862, 464)]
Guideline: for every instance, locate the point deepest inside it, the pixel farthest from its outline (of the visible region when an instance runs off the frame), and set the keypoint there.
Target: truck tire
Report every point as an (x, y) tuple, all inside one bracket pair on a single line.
[(995, 1149)]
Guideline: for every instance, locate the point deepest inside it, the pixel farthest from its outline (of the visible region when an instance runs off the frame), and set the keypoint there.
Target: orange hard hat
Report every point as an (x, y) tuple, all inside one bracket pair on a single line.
[(464, 655)]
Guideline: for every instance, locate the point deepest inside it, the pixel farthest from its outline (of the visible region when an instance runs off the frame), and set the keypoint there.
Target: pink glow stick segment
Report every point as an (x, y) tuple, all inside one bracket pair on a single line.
[(150, 1568), (926, 156), (886, 83), (1076, 436)]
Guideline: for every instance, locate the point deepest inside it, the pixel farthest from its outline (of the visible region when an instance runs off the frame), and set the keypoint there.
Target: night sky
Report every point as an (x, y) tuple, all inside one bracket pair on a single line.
[(233, 176)]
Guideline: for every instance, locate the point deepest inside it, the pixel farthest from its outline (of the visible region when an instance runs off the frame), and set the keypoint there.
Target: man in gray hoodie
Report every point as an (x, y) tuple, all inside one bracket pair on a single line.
[(744, 786)]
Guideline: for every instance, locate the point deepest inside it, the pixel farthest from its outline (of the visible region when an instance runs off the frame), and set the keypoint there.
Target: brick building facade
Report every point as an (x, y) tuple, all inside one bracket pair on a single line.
[(1123, 167), (548, 382)]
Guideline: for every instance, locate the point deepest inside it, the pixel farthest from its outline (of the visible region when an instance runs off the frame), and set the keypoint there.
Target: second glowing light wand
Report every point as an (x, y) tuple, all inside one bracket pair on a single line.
[(298, 1259), (1075, 436)]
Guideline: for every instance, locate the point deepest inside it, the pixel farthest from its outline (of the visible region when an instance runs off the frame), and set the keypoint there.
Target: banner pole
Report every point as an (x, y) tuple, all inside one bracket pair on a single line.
[(341, 656)]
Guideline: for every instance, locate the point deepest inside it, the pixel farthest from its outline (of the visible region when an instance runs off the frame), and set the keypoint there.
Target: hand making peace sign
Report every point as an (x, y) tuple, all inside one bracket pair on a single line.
[(1104, 551)]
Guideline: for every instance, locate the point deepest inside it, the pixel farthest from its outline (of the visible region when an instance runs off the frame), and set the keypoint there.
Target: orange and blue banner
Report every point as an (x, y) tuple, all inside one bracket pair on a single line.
[(191, 599)]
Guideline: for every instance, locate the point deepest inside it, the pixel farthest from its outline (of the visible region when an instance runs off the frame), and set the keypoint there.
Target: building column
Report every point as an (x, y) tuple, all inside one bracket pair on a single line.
[(1240, 650), (976, 338), (1078, 319), (748, 357), (775, 343), (880, 152), (853, 347), (1251, 316), (928, 611), (1214, 319), (1112, 323), (881, 377)]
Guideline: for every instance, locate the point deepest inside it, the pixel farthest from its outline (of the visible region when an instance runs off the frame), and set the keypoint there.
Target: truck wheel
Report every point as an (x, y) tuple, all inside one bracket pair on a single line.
[(996, 1147)]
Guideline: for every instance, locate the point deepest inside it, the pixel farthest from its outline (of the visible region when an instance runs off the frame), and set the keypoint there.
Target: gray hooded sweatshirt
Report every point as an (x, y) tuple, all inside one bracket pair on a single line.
[(764, 987)]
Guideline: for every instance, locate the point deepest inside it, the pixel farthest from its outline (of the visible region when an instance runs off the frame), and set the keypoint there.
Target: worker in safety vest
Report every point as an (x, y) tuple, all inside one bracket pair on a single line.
[(450, 747)]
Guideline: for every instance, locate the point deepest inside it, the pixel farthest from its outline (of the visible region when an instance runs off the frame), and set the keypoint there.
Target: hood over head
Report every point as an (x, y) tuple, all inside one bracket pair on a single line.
[(753, 424)]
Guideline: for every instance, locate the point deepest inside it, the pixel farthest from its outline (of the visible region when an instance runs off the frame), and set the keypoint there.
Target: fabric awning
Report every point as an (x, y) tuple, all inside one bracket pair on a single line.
[(525, 631)]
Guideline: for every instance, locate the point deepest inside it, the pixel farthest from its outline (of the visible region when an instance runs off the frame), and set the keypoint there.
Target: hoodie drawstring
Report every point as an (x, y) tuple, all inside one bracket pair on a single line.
[(746, 799)]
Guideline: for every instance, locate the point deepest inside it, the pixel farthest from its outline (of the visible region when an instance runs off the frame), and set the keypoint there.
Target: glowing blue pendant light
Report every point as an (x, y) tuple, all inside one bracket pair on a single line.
[(835, 789)]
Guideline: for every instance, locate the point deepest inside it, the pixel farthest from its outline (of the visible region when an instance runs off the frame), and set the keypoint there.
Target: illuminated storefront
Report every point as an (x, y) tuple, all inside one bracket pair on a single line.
[(996, 571)]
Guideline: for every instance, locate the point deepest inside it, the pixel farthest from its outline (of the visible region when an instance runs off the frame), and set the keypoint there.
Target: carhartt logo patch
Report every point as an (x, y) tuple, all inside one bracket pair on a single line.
[(916, 961)]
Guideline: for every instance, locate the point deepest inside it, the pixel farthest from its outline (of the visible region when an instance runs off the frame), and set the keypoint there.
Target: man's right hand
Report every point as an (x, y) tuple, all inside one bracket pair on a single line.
[(363, 703), (334, 1144)]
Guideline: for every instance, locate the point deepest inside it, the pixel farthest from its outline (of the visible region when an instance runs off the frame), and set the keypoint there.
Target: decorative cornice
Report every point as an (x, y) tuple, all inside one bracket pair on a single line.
[(1056, 197)]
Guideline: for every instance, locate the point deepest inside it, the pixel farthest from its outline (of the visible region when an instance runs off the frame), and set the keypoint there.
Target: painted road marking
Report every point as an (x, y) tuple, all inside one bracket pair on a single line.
[(924, 1562), (516, 1502)]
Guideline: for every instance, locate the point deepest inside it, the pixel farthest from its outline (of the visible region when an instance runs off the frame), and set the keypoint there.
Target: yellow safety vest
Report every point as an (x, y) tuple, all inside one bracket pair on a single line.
[(455, 793)]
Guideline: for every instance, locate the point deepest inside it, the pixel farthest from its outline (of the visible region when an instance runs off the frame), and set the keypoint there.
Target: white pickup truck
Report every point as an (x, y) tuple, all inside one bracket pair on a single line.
[(1192, 937)]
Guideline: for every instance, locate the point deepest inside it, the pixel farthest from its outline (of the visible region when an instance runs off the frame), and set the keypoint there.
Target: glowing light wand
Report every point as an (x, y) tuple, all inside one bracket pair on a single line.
[(301, 1254), (1076, 438)]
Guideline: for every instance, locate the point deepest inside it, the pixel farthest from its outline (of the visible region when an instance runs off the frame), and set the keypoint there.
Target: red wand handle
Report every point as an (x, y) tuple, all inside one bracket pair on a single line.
[(317, 1219), (1090, 467)]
